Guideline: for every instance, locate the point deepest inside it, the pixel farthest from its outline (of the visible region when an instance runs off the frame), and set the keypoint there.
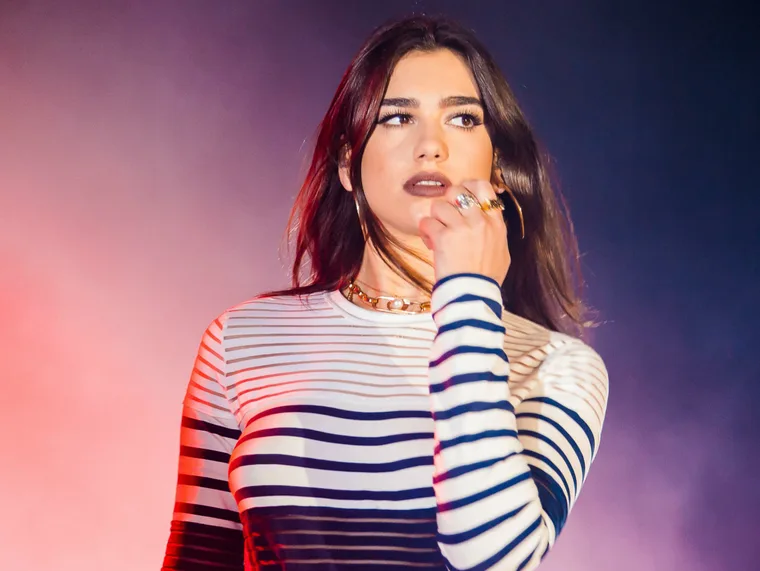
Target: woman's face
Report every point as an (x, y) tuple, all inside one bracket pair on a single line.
[(430, 122)]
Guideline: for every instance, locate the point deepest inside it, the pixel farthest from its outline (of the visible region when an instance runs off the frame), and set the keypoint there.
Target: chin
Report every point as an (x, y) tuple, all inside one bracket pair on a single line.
[(419, 209), (406, 232)]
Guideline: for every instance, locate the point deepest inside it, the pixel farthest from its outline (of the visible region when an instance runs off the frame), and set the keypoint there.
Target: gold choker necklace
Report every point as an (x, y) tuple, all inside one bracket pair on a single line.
[(387, 303)]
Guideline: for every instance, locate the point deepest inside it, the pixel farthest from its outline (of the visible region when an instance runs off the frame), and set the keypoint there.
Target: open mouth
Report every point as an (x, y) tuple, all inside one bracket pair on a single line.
[(427, 184)]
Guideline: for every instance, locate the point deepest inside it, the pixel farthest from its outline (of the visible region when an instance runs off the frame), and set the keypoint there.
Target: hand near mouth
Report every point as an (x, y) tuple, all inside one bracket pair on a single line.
[(466, 239)]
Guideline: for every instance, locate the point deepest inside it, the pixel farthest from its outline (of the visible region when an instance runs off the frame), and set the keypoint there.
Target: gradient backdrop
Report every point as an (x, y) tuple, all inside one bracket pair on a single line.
[(150, 151)]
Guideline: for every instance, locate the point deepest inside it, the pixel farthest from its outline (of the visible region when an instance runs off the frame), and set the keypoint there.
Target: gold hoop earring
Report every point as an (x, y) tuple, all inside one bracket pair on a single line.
[(362, 225), (516, 203), (519, 211)]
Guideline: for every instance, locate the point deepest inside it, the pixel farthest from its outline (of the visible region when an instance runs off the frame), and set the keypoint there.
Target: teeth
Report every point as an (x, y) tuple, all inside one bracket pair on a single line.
[(430, 183)]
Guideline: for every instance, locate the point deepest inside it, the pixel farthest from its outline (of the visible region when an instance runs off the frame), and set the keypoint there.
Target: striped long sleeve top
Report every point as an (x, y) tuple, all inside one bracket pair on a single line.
[(320, 435)]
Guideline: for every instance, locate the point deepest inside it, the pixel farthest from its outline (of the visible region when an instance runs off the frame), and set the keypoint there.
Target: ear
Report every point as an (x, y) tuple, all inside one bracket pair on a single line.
[(344, 168), (497, 177)]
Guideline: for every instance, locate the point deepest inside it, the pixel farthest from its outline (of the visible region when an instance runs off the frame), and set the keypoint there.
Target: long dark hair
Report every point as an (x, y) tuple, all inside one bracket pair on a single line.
[(543, 283)]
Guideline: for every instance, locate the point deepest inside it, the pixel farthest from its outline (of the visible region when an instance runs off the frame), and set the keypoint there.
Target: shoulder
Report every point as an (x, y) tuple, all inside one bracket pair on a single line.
[(275, 303), (572, 360), (270, 310), (557, 376), (552, 355)]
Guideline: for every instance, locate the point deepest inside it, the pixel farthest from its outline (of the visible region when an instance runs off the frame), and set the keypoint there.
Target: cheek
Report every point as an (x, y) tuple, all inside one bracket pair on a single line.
[(485, 157), (474, 155), (372, 166), (378, 173)]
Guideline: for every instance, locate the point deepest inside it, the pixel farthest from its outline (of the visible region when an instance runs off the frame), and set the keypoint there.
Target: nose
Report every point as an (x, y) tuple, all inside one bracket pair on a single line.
[(431, 146)]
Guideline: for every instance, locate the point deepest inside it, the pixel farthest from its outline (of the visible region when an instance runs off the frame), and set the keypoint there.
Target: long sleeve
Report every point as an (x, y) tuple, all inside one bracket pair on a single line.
[(206, 532), (505, 479)]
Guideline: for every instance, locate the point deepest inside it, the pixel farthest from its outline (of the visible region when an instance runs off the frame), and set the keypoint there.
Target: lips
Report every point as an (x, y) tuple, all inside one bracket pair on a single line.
[(428, 184)]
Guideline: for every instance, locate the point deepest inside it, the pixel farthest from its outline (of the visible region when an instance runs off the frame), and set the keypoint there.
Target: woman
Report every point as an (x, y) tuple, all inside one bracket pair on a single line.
[(423, 400)]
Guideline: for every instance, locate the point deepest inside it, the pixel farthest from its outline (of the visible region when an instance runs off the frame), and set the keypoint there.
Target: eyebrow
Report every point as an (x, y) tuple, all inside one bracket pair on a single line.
[(451, 101)]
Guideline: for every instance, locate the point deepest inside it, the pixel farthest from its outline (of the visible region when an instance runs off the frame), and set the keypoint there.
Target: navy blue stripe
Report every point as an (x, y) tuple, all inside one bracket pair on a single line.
[(400, 517), (557, 449), (203, 482), (207, 511), (204, 426), (467, 468), (472, 407), (552, 465), (526, 560), (202, 453), (329, 465), (339, 413), (448, 278), (192, 557), (552, 499), (572, 414), (213, 532), (374, 525), (465, 378), (328, 536), (316, 435), (456, 538), (477, 323), (317, 552), (468, 350), (468, 500), (493, 305), (468, 438), (563, 432), (433, 564), (330, 494), (192, 545), (507, 549)]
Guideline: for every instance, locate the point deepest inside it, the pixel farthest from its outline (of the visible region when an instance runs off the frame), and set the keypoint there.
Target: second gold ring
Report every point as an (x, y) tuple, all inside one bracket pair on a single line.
[(492, 204)]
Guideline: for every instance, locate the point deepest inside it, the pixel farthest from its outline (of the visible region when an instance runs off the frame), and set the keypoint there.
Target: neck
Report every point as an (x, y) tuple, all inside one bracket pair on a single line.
[(375, 277)]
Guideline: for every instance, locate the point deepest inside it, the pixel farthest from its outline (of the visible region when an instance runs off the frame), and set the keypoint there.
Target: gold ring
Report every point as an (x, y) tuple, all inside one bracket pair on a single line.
[(492, 204)]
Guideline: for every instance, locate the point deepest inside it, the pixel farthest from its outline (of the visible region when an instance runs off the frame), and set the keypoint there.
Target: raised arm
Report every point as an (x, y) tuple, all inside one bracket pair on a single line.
[(205, 530), (505, 480)]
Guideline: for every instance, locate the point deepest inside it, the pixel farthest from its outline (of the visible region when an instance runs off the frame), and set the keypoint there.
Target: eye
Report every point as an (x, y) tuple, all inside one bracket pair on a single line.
[(394, 119), (467, 120)]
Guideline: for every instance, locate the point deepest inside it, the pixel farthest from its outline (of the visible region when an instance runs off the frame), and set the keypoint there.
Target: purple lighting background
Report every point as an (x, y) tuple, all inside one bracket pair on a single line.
[(149, 155)]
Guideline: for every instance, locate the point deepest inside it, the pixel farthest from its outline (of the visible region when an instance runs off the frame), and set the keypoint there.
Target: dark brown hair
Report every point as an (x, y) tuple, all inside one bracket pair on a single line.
[(543, 283)]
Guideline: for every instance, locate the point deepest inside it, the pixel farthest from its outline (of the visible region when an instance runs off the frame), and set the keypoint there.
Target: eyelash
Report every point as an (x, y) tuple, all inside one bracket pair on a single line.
[(384, 118)]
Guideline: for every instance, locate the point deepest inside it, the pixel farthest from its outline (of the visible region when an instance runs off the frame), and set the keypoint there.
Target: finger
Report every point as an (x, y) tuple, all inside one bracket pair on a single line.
[(430, 231), (456, 196), (485, 192), (482, 189), (446, 213)]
